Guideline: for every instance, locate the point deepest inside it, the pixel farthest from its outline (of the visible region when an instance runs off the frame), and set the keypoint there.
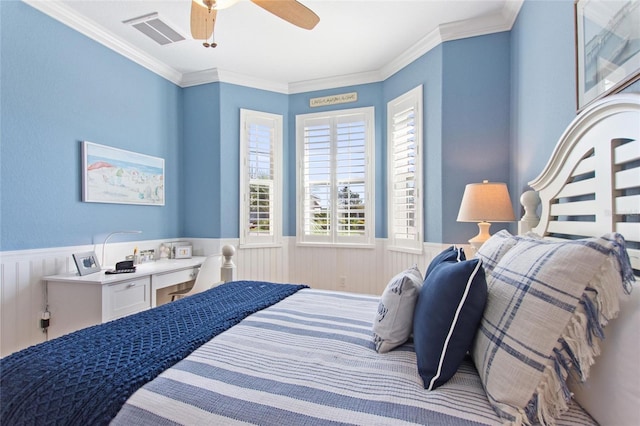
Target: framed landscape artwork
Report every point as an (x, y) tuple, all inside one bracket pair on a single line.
[(607, 47), (112, 175)]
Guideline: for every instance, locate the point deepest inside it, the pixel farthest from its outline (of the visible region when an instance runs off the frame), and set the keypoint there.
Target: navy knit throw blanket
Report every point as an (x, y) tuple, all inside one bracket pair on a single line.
[(85, 377)]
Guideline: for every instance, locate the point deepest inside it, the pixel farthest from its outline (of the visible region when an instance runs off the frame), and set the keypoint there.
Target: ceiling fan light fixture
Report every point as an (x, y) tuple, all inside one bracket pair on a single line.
[(217, 4), (204, 13)]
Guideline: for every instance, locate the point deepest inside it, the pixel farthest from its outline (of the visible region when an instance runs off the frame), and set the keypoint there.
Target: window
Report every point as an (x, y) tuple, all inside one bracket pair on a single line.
[(336, 177), (260, 178), (404, 143)]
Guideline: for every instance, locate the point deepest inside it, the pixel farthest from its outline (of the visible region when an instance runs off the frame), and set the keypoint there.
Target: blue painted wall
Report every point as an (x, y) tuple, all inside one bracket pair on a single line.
[(428, 71), (487, 100), (58, 89), (543, 90), (200, 193), (212, 155), (466, 117), (467, 136), (475, 123)]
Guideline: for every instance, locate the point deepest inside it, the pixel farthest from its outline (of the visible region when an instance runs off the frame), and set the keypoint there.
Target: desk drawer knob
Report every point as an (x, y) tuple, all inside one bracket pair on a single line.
[(131, 285)]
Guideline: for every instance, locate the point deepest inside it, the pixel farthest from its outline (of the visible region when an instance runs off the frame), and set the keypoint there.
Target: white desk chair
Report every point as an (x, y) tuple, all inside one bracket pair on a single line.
[(207, 277)]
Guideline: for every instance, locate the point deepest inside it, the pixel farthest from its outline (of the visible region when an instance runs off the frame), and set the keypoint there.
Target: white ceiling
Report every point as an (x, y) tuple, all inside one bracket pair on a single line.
[(355, 42)]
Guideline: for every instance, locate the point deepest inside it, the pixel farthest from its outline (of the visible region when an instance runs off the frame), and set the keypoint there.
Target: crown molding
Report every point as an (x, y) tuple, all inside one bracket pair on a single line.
[(511, 10), (200, 77), (214, 75), (498, 22), (335, 82)]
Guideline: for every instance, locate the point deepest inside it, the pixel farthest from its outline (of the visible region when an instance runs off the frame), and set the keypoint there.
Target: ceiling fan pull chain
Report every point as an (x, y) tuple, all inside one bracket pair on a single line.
[(213, 43)]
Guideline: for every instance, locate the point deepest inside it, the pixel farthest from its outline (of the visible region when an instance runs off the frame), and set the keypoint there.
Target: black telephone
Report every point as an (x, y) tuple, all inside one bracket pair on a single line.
[(124, 267)]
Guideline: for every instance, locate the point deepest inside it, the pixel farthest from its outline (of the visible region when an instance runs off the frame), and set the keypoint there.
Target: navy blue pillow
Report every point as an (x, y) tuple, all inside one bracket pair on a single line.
[(448, 312), (451, 254)]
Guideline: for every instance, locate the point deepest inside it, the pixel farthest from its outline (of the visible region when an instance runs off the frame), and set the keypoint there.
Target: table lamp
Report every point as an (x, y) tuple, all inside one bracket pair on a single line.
[(484, 203), (104, 244)]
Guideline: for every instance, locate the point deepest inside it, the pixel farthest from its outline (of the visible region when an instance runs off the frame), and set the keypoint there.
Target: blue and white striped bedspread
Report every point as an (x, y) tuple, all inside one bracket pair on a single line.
[(308, 359)]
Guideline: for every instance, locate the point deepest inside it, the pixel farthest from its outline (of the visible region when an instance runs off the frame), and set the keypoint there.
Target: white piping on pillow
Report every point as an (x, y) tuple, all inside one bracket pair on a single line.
[(453, 323)]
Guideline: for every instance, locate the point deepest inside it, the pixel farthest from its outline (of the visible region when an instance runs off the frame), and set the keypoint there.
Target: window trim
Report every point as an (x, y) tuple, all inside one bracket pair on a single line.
[(275, 122), (334, 240), (411, 99)]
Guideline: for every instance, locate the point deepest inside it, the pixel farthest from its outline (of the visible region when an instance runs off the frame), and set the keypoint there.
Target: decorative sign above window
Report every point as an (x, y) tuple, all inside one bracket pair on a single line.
[(333, 99)]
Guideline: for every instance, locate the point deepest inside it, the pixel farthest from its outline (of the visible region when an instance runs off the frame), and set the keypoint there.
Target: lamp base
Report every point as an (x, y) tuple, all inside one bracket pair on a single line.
[(483, 235)]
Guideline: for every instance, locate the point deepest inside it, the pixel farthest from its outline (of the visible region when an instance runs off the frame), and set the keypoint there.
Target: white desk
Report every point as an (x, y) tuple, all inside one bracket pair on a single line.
[(78, 301)]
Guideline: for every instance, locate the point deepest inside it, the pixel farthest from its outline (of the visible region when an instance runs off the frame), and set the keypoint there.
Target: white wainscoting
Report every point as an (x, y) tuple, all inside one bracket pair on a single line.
[(21, 294), (347, 269)]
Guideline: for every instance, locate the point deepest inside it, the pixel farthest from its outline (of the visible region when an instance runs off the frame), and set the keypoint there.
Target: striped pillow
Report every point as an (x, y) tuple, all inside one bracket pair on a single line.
[(547, 303)]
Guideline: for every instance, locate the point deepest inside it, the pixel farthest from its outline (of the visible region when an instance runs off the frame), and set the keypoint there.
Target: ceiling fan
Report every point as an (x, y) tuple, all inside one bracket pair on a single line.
[(203, 15)]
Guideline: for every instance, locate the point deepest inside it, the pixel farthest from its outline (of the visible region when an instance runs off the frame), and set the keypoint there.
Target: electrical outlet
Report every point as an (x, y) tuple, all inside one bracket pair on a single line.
[(342, 281)]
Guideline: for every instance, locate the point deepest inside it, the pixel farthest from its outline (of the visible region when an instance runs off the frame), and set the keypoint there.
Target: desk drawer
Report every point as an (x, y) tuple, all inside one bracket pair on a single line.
[(127, 297), (173, 278)]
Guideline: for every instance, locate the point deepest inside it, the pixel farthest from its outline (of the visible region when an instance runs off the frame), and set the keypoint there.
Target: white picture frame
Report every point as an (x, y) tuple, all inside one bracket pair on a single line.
[(86, 262), (607, 47), (113, 175)]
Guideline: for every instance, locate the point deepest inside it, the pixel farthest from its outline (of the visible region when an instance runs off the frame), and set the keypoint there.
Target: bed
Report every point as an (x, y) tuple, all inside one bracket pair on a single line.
[(251, 352)]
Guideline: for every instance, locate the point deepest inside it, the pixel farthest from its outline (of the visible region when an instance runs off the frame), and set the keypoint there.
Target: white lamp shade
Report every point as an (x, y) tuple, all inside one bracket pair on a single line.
[(486, 202)]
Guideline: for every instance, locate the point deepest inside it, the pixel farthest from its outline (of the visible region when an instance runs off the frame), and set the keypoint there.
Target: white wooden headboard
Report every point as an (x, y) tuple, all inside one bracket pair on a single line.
[(591, 184)]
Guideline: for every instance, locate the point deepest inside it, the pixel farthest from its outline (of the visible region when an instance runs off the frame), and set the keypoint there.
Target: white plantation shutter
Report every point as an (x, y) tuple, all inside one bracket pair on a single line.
[(260, 178), (403, 175), (317, 179), (350, 179), (404, 115), (261, 205), (336, 177)]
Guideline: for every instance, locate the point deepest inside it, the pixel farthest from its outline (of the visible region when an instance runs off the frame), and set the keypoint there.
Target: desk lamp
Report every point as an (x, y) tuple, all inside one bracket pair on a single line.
[(483, 203), (112, 234)]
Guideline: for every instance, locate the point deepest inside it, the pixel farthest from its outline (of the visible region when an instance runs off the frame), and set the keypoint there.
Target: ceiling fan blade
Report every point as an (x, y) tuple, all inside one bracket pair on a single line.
[(291, 11), (202, 21)]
